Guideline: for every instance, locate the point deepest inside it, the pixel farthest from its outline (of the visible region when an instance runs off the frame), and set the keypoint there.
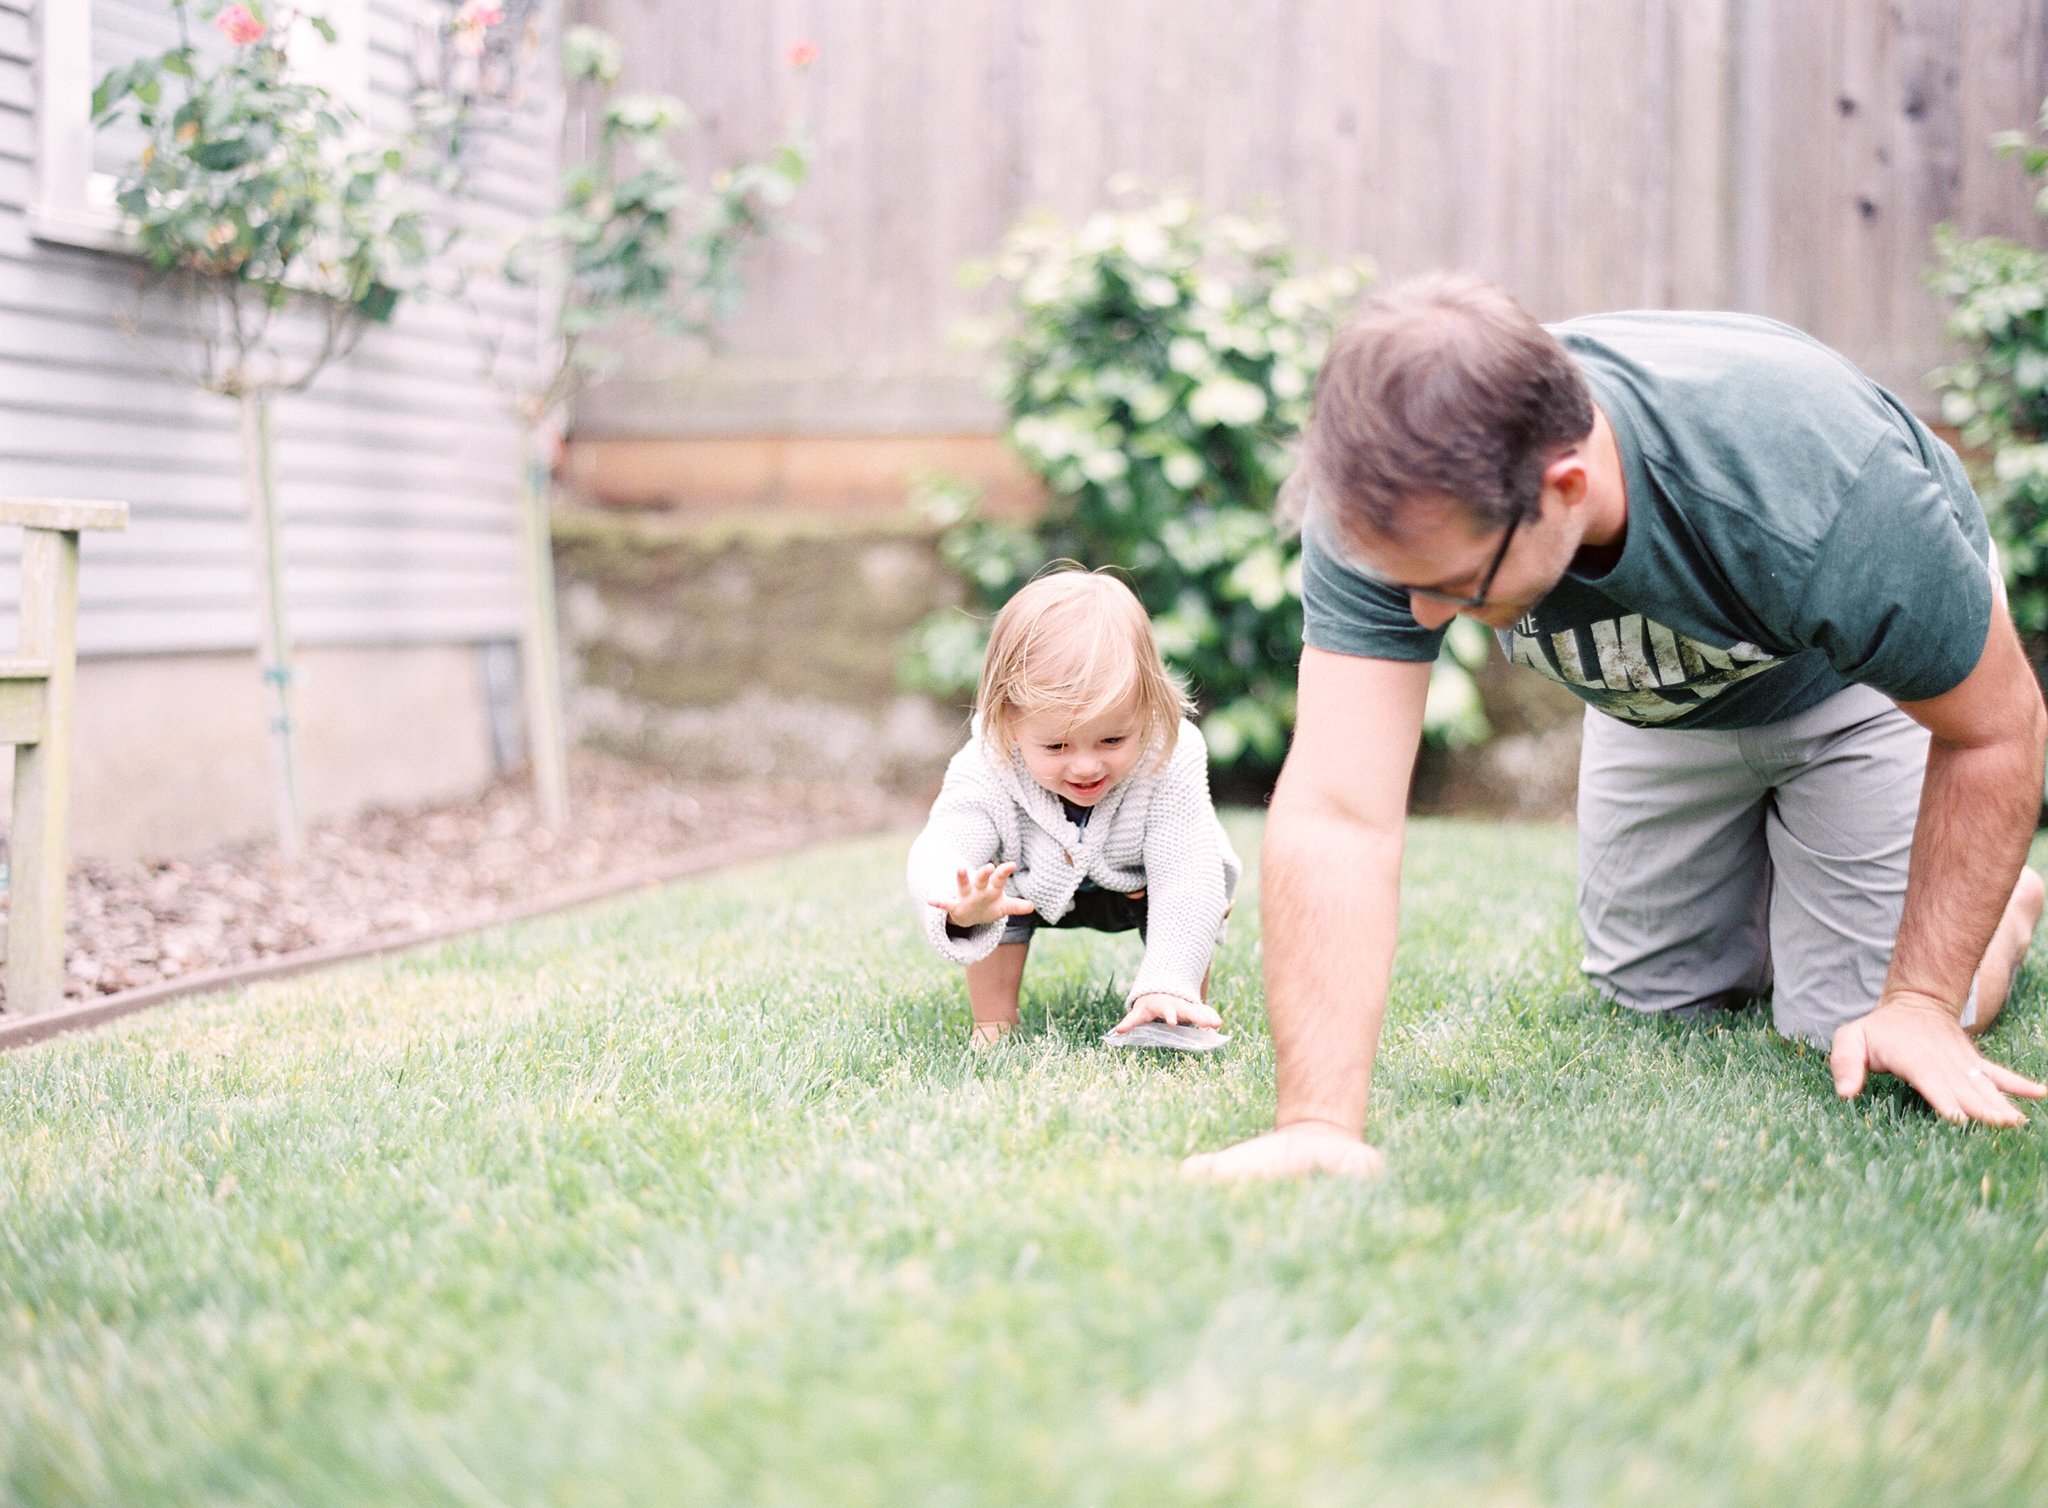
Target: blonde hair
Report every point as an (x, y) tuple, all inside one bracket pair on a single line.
[(1077, 642)]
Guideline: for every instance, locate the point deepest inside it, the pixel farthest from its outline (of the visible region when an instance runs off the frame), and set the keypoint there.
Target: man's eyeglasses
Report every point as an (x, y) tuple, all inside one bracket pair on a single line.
[(1456, 599)]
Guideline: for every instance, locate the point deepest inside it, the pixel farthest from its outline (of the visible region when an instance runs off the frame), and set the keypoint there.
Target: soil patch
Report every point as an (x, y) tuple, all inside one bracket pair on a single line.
[(393, 872)]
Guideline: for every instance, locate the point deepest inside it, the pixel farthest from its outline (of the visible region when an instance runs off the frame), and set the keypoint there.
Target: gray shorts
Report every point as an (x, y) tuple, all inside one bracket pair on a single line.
[(1717, 867)]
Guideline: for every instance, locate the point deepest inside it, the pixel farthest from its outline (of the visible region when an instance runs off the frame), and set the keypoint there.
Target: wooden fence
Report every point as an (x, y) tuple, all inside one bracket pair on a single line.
[(1785, 156)]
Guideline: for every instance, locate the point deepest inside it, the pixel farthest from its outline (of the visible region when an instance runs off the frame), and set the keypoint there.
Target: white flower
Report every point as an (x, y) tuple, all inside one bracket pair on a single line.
[(1189, 356), (1156, 292), (1245, 338), (1051, 439), (1183, 469), (1105, 466), (1144, 243), (1042, 287), (1288, 301), (1227, 401), (1261, 578), (1150, 404)]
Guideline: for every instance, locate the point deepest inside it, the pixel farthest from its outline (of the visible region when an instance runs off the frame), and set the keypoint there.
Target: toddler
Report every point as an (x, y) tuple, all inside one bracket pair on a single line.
[(1081, 800)]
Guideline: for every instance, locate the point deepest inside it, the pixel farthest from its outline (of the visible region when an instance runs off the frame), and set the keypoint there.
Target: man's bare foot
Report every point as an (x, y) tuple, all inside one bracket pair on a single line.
[(987, 1034), (2008, 948)]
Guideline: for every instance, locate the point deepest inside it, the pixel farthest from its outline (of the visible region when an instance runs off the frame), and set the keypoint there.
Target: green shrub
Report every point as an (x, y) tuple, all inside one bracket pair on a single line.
[(1997, 394), (1156, 363)]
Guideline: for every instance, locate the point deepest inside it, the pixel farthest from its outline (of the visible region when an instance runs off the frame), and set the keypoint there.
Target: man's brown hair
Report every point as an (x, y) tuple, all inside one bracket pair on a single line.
[(1443, 388)]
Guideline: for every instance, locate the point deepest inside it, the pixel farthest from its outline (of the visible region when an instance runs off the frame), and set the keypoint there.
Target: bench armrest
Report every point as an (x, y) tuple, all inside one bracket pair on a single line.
[(62, 513)]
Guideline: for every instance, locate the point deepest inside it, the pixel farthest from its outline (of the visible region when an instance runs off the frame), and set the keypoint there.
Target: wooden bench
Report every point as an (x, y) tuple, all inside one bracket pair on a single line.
[(37, 686)]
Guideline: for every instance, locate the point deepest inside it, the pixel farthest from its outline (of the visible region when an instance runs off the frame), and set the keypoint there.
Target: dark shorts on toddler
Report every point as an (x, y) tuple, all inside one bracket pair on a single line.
[(1095, 908)]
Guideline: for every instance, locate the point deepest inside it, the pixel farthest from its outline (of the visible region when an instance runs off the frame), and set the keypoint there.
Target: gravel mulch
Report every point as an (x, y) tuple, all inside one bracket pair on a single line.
[(390, 873)]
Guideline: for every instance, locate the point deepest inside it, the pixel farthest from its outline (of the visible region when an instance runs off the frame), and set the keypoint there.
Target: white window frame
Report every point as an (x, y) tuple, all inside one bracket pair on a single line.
[(73, 204)]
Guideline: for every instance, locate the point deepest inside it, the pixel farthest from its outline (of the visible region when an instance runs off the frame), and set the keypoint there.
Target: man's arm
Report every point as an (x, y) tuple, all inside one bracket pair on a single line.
[(1330, 878), (1977, 809)]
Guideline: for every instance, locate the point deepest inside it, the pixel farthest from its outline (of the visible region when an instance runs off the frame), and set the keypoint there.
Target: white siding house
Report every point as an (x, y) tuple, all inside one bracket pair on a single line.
[(398, 472)]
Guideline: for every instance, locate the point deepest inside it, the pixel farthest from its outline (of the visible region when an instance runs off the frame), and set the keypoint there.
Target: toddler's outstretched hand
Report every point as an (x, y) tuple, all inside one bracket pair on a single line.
[(1171, 1009), (981, 898)]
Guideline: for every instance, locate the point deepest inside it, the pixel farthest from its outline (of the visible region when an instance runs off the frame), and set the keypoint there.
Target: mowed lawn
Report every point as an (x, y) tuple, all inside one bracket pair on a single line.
[(697, 1197)]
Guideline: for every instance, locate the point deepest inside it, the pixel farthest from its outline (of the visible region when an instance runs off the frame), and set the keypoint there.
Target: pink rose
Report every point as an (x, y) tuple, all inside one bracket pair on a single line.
[(471, 22), (238, 26), (802, 55)]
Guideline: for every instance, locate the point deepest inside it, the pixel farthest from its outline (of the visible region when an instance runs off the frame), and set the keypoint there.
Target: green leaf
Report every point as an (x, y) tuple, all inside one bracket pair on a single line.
[(377, 303), (111, 90)]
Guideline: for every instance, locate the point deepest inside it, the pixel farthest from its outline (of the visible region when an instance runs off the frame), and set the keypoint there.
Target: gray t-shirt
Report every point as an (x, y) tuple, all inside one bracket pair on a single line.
[(1791, 528)]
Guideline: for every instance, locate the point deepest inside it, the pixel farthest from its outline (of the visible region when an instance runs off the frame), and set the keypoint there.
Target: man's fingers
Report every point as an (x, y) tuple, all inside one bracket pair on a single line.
[(1987, 1106), (1932, 1055), (1942, 1101), (1202, 1015), (1132, 1017), (2005, 1079), (1980, 1100), (1846, 1058)]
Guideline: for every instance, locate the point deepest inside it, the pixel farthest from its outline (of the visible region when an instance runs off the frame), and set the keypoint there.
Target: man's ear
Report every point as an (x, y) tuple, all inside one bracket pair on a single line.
[(1568, 477)]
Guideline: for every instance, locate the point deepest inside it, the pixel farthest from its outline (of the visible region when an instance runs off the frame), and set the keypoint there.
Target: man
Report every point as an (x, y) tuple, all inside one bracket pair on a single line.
[(1776, 591)]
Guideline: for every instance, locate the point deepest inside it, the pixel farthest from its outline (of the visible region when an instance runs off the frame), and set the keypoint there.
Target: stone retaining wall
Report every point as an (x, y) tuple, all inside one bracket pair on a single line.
[(763, 645), (767, 645)]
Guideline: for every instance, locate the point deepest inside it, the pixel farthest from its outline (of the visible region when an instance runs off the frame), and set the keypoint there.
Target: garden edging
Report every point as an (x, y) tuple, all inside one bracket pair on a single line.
[(29, 1030)]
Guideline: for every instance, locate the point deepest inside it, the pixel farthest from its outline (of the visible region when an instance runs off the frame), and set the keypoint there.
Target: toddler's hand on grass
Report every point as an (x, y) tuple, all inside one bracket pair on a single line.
[(1303, 1147), (981, 898), (1171, 1009)]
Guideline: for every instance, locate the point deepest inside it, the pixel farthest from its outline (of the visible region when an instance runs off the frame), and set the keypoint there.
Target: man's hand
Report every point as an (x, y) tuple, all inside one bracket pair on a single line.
[(1918, 1038), (981, 898), (1171, 1009), (1303, 1147)]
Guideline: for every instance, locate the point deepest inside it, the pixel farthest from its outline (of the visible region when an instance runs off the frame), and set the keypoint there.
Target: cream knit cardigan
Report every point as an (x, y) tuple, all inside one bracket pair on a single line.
[(1156, 832)]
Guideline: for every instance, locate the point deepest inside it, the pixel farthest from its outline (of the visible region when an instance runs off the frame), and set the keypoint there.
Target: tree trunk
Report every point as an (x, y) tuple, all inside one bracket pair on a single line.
[(541, 651), (260, 481)]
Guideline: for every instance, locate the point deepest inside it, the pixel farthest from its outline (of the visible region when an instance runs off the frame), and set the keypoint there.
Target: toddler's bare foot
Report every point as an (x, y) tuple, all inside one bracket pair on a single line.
[(2008, 948), (987, 1034)]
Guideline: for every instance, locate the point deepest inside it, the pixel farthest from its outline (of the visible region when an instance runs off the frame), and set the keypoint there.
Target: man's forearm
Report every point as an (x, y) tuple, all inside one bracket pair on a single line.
[(1977, 811), (1331, 909)]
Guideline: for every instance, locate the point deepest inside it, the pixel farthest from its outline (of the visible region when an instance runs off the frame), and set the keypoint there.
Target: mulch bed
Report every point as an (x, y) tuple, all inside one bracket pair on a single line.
[(393, 873)]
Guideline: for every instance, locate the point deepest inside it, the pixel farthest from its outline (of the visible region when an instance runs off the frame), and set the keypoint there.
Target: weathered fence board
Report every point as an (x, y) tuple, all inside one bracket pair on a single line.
[(1786, 156)]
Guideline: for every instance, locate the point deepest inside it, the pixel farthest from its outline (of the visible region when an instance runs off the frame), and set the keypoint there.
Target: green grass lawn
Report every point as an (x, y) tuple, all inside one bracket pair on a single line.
[(697, 1197)]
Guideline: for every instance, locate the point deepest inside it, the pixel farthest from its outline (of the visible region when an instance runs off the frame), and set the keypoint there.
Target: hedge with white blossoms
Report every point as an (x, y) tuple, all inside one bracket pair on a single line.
[(1997, 394), (1156, 363)]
